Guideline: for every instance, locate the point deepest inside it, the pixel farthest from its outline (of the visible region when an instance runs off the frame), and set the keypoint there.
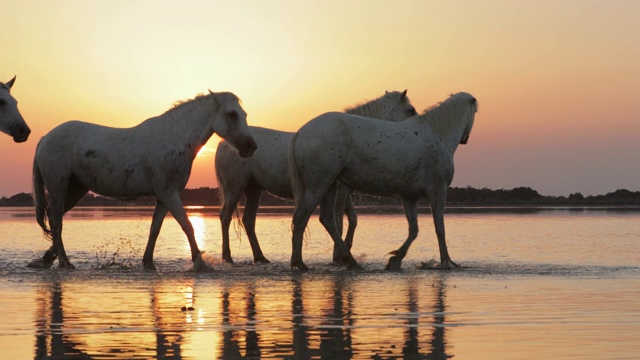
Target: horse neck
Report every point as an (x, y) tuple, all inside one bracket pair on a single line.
[(373, 109), (188, 123), (448, 124)]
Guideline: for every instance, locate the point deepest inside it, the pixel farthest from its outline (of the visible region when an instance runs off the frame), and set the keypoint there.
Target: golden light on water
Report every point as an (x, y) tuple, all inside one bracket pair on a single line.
[(199, 230)]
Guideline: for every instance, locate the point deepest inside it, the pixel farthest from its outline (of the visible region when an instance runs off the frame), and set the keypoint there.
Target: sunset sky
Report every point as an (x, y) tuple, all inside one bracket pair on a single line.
[(558, 82)]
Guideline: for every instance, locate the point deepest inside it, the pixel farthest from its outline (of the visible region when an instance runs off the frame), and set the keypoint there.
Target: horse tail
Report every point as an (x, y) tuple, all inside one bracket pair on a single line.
[(218, 177), (297, 185), (295, 177), (222, 187), (40, 199)]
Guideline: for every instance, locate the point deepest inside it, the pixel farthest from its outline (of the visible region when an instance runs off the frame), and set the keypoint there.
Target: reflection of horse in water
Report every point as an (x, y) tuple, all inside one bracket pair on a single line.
[(231, 347), (340, 316), (11, 121), (437, 345), (244, 320), (411, 158), (51, 341), (267, 170), (336, 341), (169, 327)]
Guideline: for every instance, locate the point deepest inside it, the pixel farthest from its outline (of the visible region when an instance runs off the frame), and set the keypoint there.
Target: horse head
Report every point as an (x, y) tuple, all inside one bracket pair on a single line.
[(230, 123), (11, 121), (467, 131), (398, 106)]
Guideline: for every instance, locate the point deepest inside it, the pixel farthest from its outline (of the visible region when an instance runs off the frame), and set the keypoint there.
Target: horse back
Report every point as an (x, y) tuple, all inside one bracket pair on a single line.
[(374, 156), (112, 161)]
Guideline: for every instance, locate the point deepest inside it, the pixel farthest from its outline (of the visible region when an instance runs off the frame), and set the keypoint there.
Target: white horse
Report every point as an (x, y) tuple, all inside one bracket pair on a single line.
[(11, 122), (413, 158), (153, 158), (268, 170)]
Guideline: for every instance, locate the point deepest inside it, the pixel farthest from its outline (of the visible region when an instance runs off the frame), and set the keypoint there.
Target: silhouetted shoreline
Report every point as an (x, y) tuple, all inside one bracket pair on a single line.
[(459, 200)]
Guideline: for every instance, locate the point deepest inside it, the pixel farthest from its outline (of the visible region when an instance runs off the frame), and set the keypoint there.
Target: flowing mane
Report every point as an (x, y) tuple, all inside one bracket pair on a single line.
[(222, 97), (375, 107), (439, 115)]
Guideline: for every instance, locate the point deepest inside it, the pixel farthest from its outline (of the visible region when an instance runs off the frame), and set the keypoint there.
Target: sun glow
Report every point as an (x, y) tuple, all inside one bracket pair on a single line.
[(290, 62)]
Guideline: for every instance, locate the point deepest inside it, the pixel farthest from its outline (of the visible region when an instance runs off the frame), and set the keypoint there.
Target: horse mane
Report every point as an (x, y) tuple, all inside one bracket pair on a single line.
[(439, 115), (221, 97), (372, 108)]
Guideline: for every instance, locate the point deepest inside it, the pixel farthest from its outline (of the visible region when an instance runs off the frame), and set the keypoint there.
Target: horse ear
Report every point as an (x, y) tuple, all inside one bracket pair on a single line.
[(404, 94), (10, 83), (210, 92)]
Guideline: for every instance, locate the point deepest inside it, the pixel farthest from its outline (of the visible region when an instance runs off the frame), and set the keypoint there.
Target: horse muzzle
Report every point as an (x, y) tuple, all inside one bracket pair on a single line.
[(20, 133), (248, 148)]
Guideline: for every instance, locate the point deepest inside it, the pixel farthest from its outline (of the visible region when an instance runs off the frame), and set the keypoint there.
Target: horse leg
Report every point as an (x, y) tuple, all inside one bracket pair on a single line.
[(411, 212), (437, 208), (328, 220), (252, 193), (341, 199), (75, 192), (226, 216), (174, 204), (56, 212), (301, 214), (159, 213), (352, 218)]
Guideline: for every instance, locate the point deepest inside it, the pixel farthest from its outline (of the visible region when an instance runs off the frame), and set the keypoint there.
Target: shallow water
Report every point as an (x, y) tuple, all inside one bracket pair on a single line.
[(546, 284)]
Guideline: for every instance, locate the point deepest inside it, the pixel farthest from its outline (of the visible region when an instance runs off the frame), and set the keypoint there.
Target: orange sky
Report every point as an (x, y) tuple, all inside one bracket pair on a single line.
[(557, 81)]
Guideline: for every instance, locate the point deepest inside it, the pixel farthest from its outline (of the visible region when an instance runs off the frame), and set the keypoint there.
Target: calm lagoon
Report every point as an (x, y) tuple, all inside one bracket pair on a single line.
[(551, 283)]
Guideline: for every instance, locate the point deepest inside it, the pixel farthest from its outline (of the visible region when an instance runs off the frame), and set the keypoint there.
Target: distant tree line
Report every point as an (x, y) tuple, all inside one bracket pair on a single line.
[(528, 196), (456, 196)]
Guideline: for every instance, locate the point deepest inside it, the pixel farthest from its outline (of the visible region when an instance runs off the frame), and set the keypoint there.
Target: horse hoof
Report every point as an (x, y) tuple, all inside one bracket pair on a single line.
[(148, 264), (394, 264), (352, 264), (300, 266), (200, 266), (449, 265), (39, 264), (427, 265), (339, 262), (66, 265), (262, 260), (228, 260)]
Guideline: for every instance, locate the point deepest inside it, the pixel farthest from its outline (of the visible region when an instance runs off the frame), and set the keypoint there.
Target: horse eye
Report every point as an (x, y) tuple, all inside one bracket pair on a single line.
[(2, 101), (233, 115)]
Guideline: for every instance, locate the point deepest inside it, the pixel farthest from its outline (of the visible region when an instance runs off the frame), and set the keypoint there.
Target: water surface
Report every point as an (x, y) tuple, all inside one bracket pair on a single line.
[(546, 284)]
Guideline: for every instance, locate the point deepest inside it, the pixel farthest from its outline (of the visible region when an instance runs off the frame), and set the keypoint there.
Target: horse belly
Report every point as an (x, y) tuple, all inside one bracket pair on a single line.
[(128, 181), (379, 182)]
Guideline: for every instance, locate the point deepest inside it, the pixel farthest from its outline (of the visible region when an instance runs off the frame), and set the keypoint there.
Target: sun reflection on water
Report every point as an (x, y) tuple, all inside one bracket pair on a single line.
[(199, 230)]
